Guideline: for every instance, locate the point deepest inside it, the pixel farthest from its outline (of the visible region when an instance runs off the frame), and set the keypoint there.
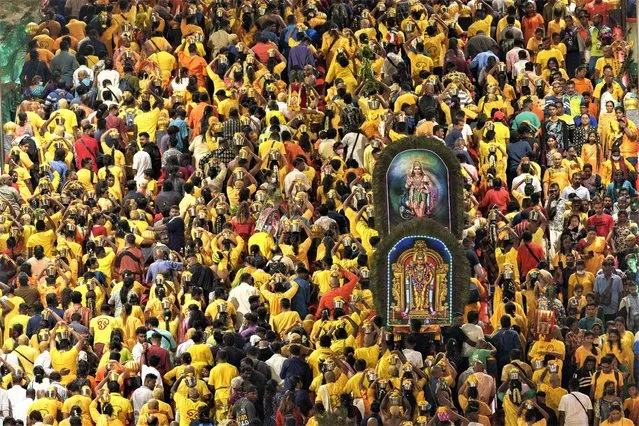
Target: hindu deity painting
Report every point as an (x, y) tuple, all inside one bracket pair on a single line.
[(419, 269)]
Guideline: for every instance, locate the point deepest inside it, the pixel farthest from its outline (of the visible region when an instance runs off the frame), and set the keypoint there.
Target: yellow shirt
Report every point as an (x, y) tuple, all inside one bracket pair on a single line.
[(220, 378), (283, 321), (274, 298), (88, 179), (322, 279), (544, 55), (101, 327), (46, 239), (81, 401), (65, 360), (121, 407), (187, 408), (481, 25), (148, 122), (104, 263), (600, 378), (45, 406), (264, 241), (128, 326), (622, 422), (556, 27), (587, 280), (201, 355)]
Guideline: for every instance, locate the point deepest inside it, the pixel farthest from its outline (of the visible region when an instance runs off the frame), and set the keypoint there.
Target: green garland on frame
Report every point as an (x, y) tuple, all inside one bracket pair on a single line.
[(417, 227), (456, 180)]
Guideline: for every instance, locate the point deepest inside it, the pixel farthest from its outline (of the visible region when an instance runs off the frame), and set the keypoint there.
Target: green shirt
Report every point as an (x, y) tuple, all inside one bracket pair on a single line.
[(479, 355)]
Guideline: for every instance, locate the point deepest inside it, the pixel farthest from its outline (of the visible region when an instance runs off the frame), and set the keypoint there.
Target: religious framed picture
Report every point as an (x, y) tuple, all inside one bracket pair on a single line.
[(420, 273), (418, 178)]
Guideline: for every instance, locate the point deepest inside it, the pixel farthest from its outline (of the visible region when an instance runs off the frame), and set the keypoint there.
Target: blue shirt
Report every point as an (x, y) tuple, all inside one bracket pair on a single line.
[(296, 367), (593, 121), (481, 60), (516, 151), (452, 136), (61, 168), (162, 267), (167, 342), (613, 191), (302, 298), (601, 287), (183, 132), (299, 56), (505, 341)]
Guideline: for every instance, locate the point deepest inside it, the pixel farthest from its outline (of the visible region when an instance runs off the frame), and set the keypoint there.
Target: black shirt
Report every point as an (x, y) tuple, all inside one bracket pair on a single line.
[(175, 227)]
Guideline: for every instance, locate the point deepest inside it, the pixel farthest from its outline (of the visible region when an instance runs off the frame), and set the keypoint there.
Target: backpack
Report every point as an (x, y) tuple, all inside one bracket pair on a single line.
[(125, 86), (129, 118), (339, 15), (352, 119)]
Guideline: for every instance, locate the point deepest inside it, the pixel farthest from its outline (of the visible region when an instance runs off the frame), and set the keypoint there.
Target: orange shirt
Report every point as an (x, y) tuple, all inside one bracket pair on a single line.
[(529, 24), (195, 117), (77, 29), (584, 85), (196, 66)]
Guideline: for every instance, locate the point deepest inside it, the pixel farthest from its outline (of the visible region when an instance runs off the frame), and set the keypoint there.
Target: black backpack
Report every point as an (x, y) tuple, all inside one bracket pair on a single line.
[(156, 158), (125, 86)]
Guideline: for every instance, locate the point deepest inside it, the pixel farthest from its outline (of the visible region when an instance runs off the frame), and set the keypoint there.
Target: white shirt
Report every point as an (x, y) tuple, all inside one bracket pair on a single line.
[(354, 146), (275, 362), (183, 347), (289, 182), (150, 370), (12, 359), (519, 67), (136, 352), (519, 183), (112, 75), (239, 297), (582, 192), (414, 357), (139, 397), (5, 406), (20, 408), (76, 79), (575, 413), (141, 162), (46, 383), (474, 333), (16, 395)]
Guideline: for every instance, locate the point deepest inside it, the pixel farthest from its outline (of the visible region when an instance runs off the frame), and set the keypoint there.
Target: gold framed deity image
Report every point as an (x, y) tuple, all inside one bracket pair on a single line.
[(420, 273)]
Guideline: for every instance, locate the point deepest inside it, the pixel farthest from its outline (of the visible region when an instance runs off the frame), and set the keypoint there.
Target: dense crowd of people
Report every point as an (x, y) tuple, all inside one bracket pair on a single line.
[(188, 232)]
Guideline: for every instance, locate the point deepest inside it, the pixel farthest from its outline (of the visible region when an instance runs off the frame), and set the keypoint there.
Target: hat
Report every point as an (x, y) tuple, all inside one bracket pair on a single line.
[(498, 115)]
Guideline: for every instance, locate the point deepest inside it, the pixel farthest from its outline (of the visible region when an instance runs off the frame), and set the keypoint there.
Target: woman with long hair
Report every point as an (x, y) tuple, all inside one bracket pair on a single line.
[(243, 222), (288, 410)]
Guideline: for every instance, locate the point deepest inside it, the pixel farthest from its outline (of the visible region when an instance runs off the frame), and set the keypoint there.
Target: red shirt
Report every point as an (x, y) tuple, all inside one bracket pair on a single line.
[(528, 257), (261, 51), (603, 224), (86, 147), (115, 122), (499, 197), (602, 9), (163, 354)]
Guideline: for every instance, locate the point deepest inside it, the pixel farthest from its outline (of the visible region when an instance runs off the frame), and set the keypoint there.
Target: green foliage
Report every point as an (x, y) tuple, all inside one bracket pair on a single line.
[(13, 46), (336, 418)]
